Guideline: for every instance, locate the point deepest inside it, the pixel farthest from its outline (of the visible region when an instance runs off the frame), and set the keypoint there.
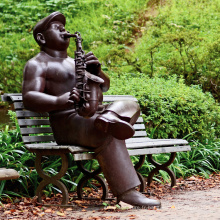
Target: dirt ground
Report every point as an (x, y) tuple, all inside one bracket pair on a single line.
[(188, 205), (192, 198)]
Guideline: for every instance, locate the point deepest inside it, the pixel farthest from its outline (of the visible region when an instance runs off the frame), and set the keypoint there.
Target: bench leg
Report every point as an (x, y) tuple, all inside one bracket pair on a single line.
[(164, 167), (90, 175), (141, 178), (52, 179)]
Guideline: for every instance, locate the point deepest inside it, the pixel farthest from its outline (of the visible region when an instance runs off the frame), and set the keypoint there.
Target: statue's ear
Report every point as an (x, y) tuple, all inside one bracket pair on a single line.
[(40, 38)]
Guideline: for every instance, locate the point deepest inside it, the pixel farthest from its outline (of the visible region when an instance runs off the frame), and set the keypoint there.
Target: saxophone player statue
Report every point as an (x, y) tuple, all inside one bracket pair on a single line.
[(49, 85)]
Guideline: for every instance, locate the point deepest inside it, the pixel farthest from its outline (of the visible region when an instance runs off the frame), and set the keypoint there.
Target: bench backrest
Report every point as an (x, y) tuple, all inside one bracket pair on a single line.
[(35, 127)]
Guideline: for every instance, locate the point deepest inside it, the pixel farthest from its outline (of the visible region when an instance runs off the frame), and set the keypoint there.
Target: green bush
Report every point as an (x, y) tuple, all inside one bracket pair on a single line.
[(183, 40), (170, 108)]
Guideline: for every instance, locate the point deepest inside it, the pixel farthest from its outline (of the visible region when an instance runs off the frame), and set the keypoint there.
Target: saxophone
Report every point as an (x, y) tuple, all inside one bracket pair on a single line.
[(87, 83)]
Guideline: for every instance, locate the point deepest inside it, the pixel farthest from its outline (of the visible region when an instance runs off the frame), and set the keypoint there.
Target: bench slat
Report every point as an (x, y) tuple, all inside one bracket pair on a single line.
[(29, 122), (145, 151), (53, 145), (36, 130), (140, 120), (30, 114), (159, 150), (106, 98), (16, 98), (31, 139), (139, 127), (140, 134), (7, 174), (112, 98), (18, 105), (146, 139), (155, 143)]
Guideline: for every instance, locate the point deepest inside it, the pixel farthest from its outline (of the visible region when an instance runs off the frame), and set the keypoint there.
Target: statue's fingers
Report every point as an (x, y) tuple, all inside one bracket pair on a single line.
[(88, 54), (92, 57), (75, 91), (70, 102), (96, 62), (74, 97)]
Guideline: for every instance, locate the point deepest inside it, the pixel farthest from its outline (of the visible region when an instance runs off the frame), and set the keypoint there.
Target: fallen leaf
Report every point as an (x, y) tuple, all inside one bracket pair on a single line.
[(78, 201), (124, 205), (34, 212), (48, 210), (172, 207), (110, 207), (61, 214)]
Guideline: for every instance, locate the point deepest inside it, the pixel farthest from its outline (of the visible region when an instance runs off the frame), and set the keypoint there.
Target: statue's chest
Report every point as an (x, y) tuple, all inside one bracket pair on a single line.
[(61, 72)]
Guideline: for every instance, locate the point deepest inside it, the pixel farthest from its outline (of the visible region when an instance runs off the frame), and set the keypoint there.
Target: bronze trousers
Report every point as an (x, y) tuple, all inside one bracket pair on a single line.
[(111, 153)]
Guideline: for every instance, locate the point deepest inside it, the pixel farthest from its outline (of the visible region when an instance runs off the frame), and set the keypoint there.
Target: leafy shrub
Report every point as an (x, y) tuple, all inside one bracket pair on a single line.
[(170, 108), (183, 40)]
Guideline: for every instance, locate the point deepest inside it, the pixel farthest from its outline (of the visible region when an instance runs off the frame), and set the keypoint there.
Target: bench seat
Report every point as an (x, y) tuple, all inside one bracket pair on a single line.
[(8, 174)]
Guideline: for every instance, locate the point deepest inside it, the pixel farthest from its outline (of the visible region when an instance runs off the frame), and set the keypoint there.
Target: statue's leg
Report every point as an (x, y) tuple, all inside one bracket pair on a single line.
[(117, 167), (117, 119), (120, 174), (126, 110)]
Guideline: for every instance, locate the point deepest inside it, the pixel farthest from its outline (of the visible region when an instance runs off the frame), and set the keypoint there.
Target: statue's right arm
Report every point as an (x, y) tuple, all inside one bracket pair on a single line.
[(34, 96)]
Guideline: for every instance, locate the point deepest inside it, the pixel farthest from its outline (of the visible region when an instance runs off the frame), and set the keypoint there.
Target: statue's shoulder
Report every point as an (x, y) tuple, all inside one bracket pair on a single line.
[(38, 60), (41, 57), (37, 63)]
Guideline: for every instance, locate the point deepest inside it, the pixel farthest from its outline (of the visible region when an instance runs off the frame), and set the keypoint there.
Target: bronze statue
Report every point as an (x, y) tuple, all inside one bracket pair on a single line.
[(50, 85)]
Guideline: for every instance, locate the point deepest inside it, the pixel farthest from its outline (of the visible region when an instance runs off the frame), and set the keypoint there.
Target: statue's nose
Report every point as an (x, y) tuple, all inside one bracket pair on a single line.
[(62, 29)]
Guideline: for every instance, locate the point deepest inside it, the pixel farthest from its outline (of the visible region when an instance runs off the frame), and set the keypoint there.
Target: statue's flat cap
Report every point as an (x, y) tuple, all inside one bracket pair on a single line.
[(43, 24)]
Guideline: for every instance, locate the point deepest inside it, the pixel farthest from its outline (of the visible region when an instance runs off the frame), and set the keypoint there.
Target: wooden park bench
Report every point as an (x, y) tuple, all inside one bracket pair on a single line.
[(8, 174), (38, 138)]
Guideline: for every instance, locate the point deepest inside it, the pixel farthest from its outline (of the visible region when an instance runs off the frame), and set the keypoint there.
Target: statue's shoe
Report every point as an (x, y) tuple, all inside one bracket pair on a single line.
[(111, 124), (138, 200)]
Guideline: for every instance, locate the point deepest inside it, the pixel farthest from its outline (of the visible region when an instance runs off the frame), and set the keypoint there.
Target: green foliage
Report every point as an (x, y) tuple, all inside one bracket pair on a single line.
[(170, 108), (203, 159), (183, 40)]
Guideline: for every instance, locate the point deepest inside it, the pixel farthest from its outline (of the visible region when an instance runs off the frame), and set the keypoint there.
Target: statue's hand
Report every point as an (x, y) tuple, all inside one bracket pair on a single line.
[(92, 64), (68, 99), (74, 96)]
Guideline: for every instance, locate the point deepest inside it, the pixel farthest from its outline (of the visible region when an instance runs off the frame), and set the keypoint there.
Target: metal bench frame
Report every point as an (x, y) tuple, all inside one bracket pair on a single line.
[(32, 124)]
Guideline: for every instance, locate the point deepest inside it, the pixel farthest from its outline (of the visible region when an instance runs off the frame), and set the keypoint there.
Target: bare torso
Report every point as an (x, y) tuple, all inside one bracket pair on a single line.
[(59, 74)]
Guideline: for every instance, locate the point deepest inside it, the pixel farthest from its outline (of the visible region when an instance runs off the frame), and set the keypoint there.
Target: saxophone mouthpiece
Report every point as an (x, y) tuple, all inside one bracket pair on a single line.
[(68, 35)]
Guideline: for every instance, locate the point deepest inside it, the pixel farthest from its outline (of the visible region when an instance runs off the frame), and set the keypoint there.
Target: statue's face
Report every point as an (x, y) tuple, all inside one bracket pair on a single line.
[(54, 38)]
